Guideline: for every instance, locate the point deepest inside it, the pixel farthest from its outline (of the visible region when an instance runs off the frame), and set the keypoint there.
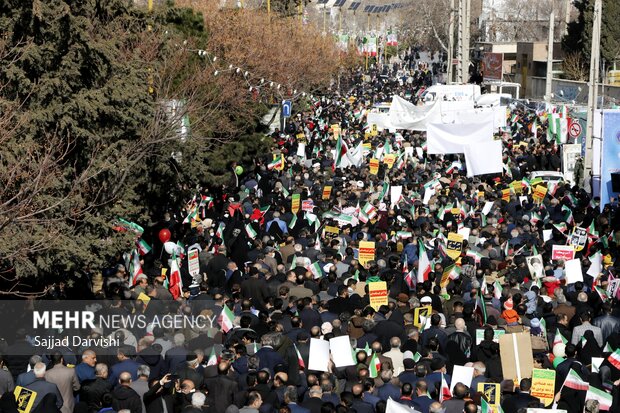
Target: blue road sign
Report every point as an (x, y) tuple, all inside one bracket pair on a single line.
[(287, 107)]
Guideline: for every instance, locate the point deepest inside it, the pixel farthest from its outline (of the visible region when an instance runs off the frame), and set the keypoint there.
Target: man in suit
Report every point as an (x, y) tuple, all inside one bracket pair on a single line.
[(224, 388), (24, 379), (290, 398), (359, 404), (580, 330), (521, 399), (125, 364), (314, 400), (177, 355), (65, 379), (422, 402), (267, 356), (395, 355), (42, 387)]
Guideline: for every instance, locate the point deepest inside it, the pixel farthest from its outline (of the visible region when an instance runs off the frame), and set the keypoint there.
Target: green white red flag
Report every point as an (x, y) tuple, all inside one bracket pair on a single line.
[(226, 319), (375, 366), (575, 382)]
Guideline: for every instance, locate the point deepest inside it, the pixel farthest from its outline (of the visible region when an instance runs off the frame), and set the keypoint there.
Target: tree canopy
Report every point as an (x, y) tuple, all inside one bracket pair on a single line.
[(579, 36), (87, 130)]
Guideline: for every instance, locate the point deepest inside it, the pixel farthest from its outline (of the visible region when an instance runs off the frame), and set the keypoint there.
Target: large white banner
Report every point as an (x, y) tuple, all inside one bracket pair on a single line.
[(405, 115), (382, 120), (452, 138), (484, 158)]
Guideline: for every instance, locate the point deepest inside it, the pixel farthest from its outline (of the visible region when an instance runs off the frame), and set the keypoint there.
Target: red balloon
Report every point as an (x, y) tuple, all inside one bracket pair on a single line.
[(164, 235)]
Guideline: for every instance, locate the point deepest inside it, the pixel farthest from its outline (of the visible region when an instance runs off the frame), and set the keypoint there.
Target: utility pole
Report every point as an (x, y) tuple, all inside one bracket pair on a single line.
[(567, 8), (463, 41), (593, 92), (549, 57), (450, 43)]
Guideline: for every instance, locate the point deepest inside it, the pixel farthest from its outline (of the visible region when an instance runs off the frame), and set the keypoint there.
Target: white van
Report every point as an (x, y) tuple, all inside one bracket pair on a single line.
[(450, 93)]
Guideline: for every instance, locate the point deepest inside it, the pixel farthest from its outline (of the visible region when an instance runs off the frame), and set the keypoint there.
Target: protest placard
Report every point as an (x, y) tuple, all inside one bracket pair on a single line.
[(562, 252), (497, 333), (327, 192), (374, 166), (418, 312), (318, 358), (377, 294), (295, 203), (340, 348), (516, 355), (461, 374), (454, 245), (543, 385), (367, 252), (573, 271)]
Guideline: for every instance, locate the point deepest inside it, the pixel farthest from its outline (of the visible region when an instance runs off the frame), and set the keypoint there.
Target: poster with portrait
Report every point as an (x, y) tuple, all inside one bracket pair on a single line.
[(579, 238), (536, 266)]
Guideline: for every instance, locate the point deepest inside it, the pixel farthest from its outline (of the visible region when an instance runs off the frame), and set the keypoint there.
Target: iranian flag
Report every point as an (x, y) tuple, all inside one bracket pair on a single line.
[(220, 231), (475, 255), (300, 360), (535, 218), (592, 232), (497, 290), (135, 269), (277, 163), (484, 406), (369, 210), (375, 366), (250, 231), (191, 217), (315, 269), (143, 247), (444, 393), (341, 150), (226, 319), (614, 358), (175, 283), (456, 165), (212, 361), (424, 265), (559, 338), (604, 399), (561, 227), (602, 293), (573, 381)]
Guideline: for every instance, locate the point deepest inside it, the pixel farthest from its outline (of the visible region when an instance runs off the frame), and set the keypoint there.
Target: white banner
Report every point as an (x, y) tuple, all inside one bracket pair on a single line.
[(452, 138), (484, 158), (405, 115), (382, 120)]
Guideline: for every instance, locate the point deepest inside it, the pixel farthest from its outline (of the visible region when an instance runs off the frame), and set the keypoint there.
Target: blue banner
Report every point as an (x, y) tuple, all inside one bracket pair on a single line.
[(610, 156)]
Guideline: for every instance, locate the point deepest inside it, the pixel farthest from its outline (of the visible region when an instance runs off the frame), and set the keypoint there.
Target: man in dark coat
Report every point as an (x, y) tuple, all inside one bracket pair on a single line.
[(521, 399), (124, 397)]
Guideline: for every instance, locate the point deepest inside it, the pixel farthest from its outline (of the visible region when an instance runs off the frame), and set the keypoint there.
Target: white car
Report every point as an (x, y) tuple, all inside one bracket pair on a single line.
[(547, 176)]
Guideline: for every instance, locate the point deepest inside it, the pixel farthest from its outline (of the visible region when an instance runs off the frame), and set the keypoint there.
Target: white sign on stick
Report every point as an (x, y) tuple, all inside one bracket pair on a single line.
[(341, 351), (318, 358), (461, 374), (573, 271)]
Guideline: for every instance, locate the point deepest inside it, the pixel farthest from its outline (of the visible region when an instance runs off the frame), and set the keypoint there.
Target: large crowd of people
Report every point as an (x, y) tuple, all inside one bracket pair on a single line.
[(290, 273)]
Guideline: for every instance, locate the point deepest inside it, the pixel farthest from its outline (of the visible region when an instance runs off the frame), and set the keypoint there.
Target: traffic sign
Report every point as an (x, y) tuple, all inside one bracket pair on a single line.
[(287, 108), (575, 129)]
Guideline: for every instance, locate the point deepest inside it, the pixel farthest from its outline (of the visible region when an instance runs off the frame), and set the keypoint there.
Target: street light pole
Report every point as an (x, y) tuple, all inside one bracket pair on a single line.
[(450, 43), (592, 93), (549, 57)]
